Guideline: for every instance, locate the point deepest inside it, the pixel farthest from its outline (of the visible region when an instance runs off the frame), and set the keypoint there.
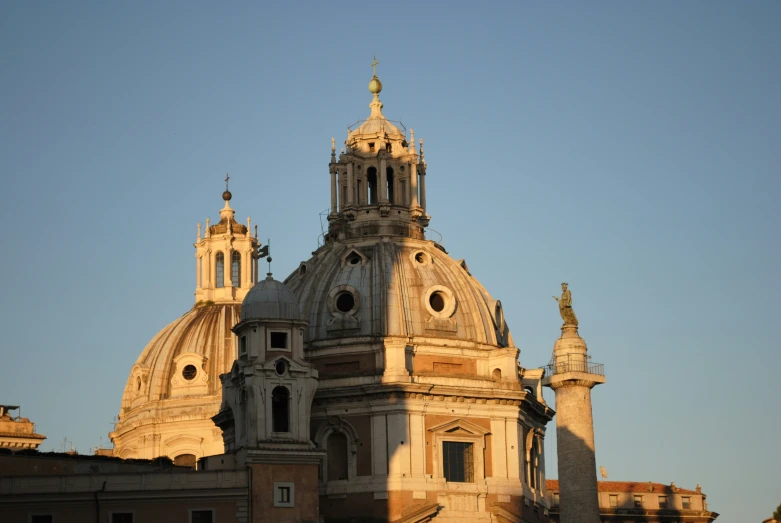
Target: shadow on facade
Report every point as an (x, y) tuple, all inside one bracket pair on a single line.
[(362, 453)]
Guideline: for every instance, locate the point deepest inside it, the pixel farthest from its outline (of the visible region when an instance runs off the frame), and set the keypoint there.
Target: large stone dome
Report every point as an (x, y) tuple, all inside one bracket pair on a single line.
[(398, 287), (174, 389)]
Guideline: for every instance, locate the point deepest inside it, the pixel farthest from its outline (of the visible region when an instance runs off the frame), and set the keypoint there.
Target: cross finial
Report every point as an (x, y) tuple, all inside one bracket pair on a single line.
[(374, 65), (227, 177)]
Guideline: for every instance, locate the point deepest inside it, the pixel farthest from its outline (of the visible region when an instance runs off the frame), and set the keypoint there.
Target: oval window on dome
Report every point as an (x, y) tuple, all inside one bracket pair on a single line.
[(345, 301), (280, 367), (437, 301), (189, 372)]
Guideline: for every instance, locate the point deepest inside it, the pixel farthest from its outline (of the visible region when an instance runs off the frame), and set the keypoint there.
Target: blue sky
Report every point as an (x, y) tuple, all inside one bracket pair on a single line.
[(628, 148)]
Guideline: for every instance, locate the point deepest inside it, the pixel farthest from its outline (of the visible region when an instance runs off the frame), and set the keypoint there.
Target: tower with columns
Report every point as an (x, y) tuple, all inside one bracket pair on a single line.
[(226, 265), (378, 181), (571, 375)]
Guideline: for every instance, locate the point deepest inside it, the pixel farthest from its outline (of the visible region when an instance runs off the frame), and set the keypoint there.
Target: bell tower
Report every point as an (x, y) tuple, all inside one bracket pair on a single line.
[(572, 375), (266, 406), (226, 261), (378, 181)]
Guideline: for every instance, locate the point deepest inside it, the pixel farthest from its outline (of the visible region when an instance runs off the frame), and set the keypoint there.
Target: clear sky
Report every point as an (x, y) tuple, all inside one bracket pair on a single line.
[(630, 149)]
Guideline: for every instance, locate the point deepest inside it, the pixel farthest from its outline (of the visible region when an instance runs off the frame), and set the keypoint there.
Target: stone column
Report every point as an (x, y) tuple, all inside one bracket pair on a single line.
[(572, 381), (198, 268), (414, 185), (423, 188), (350, 185), (207, 271), (227, 272), (383, 181), (333, 190)]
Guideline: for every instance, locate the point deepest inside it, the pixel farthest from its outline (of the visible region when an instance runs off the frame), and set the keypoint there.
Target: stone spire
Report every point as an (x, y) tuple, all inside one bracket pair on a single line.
[(572, 376)]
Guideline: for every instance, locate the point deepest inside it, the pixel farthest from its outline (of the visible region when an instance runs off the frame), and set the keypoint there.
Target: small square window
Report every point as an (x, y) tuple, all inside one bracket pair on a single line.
[(284, 494), (686, 502), (638, 501), (662, 501), (121, 517), (278, 340), (42, 518), (202, 516), (613, 500)]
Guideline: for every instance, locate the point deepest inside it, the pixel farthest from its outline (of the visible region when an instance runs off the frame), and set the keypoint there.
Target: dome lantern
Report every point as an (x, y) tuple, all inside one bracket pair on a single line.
[(378, 182)]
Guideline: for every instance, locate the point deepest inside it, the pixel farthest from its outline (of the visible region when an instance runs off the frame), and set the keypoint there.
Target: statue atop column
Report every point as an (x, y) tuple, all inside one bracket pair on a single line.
[(565, 306)]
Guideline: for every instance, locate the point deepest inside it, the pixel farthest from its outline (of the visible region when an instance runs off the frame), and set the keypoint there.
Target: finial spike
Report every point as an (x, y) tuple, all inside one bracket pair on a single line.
[(227, 177), (199, 231), (333, 145), (374, 65), (256, 231)]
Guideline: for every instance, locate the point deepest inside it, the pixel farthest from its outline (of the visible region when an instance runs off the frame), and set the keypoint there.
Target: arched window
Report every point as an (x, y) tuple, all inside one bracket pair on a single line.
[(280, 409), (389, 174), (534, 465), (337, 456), (236, 269), (371, 179), (497, 374), (219, 267)]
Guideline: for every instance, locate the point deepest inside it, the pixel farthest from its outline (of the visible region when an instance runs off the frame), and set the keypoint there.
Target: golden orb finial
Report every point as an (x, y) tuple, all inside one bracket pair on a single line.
[(375, 86)]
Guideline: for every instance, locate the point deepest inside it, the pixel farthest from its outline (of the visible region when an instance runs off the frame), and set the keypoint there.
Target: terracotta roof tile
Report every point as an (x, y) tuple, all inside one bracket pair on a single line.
[(626, 486)]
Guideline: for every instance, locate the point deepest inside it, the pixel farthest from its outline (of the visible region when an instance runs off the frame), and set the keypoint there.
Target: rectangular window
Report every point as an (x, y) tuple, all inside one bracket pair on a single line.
[(371, 147), (555, 499), (202, 516), (613, 500), (686, 502), (42, 518), (457, 461), (243, 345), (662, 501), (121, 517), (284, 494), (638, 501), (278, 340)]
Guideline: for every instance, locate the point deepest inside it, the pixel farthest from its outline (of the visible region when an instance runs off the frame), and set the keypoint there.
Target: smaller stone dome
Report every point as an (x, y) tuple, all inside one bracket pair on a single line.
[(270, 299)]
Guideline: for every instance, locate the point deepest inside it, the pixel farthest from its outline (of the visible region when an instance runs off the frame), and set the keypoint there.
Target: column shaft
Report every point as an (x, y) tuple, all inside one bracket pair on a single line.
[(333, 191), (350, 185), (414, 185)]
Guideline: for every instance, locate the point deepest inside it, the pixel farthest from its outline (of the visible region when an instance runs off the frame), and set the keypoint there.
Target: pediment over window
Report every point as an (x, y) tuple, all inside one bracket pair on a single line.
[(354, 257), (460, 427)]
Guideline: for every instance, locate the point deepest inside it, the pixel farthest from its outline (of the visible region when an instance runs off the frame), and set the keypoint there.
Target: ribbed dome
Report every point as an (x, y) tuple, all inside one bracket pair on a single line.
[(270, 299), (403, 287), (176, 379)]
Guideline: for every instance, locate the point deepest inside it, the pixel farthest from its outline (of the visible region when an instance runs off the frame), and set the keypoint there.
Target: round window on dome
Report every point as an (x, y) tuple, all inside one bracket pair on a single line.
[(189, 372), (354, 259), (437, 301), (345, 301)]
